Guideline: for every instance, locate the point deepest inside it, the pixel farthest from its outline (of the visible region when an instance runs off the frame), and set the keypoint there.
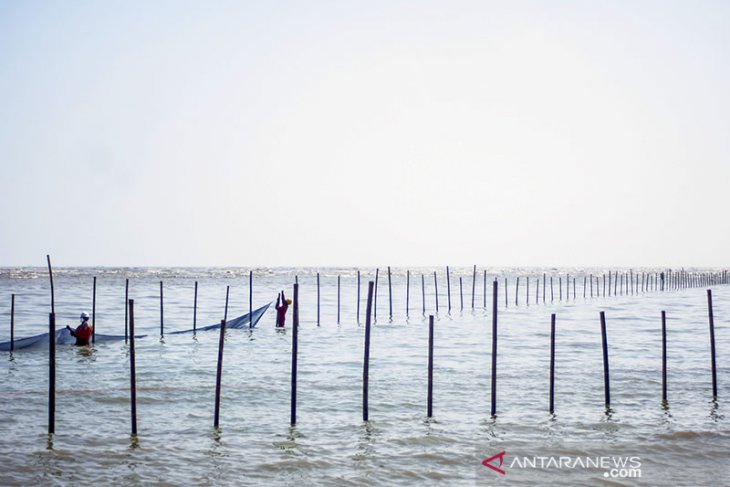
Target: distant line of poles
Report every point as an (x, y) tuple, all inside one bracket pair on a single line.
[(608, 284), (611, 283)]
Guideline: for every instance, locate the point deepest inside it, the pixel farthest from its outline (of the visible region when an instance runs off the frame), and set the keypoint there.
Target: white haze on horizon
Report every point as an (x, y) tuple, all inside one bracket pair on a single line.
[(345, 133)]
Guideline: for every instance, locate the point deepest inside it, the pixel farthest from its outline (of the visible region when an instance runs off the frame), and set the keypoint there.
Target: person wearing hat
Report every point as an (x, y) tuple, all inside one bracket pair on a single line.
[(282, 304), (83, 332)]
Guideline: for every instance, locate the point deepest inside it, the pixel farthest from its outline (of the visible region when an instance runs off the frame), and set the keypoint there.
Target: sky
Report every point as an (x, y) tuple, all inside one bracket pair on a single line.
[(216, 133)]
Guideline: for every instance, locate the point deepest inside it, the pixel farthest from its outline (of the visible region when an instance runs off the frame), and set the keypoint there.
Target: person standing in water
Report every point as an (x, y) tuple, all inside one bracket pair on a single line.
[(83, 332), (282, 304)]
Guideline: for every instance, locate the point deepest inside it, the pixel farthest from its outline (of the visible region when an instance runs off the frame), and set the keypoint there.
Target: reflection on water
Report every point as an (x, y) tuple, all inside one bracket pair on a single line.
[(330, 445)]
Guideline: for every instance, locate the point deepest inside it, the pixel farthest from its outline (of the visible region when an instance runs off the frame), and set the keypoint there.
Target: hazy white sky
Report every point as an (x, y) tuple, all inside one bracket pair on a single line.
[(362, 133)]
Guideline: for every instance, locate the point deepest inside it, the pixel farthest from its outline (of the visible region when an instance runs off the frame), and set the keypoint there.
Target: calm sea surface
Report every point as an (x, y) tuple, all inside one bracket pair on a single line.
[(685, 443)]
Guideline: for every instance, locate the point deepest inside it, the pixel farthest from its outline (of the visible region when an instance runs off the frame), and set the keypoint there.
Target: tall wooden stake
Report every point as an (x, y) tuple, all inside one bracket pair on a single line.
[(218, 375), (225, 311), (366, 359), (473, 285), (448, 287), (338, 300), (375, 297), (51, 373), (712, 343), (50, 275), (195, 308), (162, 312), (294, 351), (390, 296), (126, 310), (552, 363), (408, 292), (358, 297), (12, 322), (436, 291), (664, 357), (93, 312), (132, 369), (430, 365), (494, 347), (606, 381), (461, 294)]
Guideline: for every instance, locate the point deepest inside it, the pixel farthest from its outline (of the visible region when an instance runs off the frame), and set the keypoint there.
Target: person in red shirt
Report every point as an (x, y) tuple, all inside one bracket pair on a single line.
[(83, 332), (282, 304)]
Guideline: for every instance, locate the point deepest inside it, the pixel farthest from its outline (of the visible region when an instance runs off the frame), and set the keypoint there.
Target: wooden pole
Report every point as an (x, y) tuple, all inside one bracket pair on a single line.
[(218, 375), (294, 351), (584, 286), (390, 296), (712, 343), (560, 288), (93, 312), (664, 357), (318, 297), (195, 308), (358, 297), (552, 293), (495, 286), (448, 287), (12, 322), (606, 381), (552, 363), (250, 295), (126, 310), (461, 294), (51, 373), (436, 291), (338, 301), (621, 287), (544, 282), (573, 288), (423, 292), (225, 312), (527, 291), (50, 275), (162, 312), (375, 297), (473, 285), (366, 358), (408, 292), (517, 291), (430, 365), (132, 368)]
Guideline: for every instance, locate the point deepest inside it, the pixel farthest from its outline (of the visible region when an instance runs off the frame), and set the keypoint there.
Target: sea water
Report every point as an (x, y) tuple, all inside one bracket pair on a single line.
[(639, 441)]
